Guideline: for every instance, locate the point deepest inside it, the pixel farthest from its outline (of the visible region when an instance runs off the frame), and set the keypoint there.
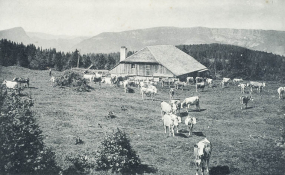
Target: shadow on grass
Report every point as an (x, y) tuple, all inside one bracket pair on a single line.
[(196, 110), (32, 87), (181, 135), (219, 170), (200, 134), (248, 108), (143, 168)]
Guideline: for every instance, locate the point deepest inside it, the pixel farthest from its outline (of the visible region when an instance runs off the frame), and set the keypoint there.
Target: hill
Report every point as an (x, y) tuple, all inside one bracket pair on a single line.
[(261, 40), (46, 41)]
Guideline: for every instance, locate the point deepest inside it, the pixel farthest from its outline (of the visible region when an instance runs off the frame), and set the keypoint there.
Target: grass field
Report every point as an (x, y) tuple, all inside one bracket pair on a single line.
[(243, 140)]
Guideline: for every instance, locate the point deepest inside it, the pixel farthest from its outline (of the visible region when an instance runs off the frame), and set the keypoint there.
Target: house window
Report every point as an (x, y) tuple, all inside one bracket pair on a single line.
[(133, 66), (147, 69)]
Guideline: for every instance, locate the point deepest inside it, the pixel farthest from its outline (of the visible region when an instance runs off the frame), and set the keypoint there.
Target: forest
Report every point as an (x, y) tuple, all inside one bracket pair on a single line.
[(222, 60)]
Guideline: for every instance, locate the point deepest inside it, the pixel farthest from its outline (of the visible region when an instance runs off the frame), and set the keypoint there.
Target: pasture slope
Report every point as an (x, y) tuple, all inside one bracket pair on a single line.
[(243, 140)]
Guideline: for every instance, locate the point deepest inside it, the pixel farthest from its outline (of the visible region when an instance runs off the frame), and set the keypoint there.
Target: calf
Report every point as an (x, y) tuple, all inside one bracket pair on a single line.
[(190, 122), (244, 100), (202, 154), (281, 91), (225, 81), (190, 79), (178, 84), (200, 86), (165, 108), (191, 101)]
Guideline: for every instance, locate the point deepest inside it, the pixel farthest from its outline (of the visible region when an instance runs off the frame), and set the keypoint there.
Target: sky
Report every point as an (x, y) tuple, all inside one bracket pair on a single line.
[(92, 17)]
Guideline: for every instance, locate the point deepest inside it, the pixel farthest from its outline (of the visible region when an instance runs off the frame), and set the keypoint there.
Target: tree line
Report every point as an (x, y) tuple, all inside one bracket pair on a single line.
[(222, 60), (234, 61)]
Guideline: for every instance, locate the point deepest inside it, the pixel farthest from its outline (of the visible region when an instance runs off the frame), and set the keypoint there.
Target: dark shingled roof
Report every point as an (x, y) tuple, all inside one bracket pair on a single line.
[(175, 60)]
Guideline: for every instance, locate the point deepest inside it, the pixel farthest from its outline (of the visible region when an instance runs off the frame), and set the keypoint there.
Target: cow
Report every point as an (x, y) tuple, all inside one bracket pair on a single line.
[(237, 80), (242, 87), (200, 86), (191, 101), (171, 121), (257, 85), (149, 91), (189, 79), (52, 80), (199, 79), (171, 93), (190, 122), (165, 108), (178, 84), (281, 91), (21, 80), (202, 154), (176, 106), (89, 77), (225, 81), (107, 80), (244, 100), (209, 81), (11, 84), (127, 84), (97, 79)]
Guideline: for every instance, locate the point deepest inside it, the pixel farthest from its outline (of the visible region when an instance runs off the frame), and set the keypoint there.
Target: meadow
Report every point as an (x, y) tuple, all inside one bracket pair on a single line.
[(244, 141)]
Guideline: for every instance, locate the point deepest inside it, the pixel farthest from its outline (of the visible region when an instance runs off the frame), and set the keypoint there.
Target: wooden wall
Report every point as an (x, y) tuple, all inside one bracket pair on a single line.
[(140, 69)]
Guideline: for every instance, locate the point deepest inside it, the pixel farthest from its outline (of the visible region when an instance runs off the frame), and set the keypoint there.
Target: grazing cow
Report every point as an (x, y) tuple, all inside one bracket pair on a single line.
[(257, 85), (171, 121), (225, 81), (165, 108), (190, 79), (190, 122), (191, 101), (22, 80), (178, 84), (281, 91), (242, 87), (149, 91), (245, 100), (202, 154), (89, 77), (237, 80), (171, 93), (176, 106), (11, 84), (200, 86)]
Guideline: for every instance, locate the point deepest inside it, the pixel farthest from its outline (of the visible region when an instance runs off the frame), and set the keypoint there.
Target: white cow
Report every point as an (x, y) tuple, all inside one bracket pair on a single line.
[(225, 81), (171, 121), (242, 87), (165, 108), (200, 86), (107, 80), (89, 77), (149, 91), (202, 154), (52, 80), (281, 91), (190, 122), (191, 101), (237, 80), (209, 81), (257, 85), (10, 84)]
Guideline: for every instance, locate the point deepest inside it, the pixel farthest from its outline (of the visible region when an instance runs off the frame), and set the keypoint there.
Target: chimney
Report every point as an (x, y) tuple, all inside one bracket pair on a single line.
[(123, 53)]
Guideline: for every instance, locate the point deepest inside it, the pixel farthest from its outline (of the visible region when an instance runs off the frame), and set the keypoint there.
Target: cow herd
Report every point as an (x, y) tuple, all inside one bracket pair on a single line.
[(170, 112)]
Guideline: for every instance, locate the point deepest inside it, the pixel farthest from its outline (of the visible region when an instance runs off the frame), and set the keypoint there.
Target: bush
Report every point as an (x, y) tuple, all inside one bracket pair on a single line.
[(73, 80), (81, 164), (117, 155), (22, 149)]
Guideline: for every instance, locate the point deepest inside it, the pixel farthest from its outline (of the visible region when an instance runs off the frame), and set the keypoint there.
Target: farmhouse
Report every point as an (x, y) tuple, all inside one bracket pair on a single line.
[(158, 61)]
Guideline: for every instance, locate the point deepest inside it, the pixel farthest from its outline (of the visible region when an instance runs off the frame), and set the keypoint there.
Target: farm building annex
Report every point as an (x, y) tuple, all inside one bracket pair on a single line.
[(158, 61)]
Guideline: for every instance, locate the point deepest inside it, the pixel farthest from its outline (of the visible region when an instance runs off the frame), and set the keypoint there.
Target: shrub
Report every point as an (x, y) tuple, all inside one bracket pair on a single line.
[(81, 164), (22, 149), (73, 80), (117, 155)]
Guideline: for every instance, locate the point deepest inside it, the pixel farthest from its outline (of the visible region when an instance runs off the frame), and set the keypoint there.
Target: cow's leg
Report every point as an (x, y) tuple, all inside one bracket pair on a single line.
[(172, 130), (164, 129), (207, 163)]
